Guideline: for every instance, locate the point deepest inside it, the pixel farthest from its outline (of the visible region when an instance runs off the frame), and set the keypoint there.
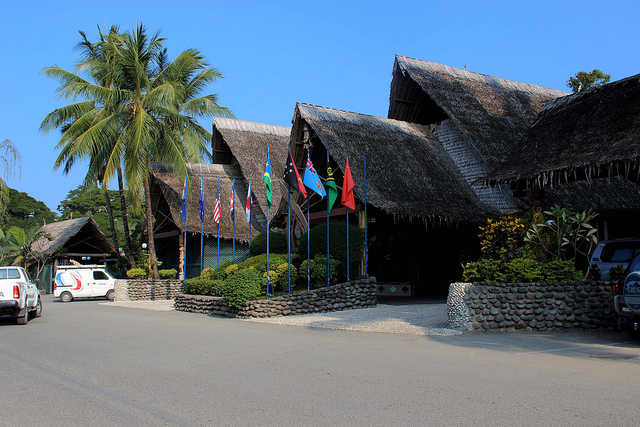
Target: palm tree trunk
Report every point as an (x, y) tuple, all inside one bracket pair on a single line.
[(153, 260), (125, 221), (114, 235)]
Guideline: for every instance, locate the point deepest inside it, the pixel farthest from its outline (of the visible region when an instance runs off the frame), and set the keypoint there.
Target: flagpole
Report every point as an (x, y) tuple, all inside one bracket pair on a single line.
[(328, 208), (184, 257), (366, 223), (233, 217), (347, 235), (202, 230), (268, 168), (249, 198), (308, 247), (219, 224), (289, 240), (267, 243)]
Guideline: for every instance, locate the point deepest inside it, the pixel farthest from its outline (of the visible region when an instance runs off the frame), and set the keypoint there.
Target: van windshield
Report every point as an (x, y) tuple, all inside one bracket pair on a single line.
[(619, 251)]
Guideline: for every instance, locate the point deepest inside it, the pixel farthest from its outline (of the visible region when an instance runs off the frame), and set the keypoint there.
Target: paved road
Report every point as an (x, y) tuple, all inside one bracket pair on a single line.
[(87, 363)]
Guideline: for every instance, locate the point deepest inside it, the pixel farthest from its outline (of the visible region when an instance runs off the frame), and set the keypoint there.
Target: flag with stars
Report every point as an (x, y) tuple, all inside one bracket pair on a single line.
[(292, 177), (311, 178)]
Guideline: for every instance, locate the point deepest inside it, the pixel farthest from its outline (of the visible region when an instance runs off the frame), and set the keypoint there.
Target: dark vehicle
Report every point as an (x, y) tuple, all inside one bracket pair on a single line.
[(611, 253), (627, 299)]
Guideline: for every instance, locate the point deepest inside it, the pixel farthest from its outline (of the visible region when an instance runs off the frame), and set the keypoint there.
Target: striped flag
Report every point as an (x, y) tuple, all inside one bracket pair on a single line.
[(232, 199), (247, 210), (217, 212)]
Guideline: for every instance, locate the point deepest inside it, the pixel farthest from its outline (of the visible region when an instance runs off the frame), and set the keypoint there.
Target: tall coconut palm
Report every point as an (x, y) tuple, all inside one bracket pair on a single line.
[(147, 115), (78, 120)]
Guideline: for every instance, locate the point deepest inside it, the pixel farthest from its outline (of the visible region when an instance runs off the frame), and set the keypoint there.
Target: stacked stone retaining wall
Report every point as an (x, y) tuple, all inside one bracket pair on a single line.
[(147, 289), (531, 306), (346, 296)]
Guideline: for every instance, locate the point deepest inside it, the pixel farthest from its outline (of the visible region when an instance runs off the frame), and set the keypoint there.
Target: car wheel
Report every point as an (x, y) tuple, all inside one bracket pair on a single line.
[(24, 319), (37, 312), (109, 295), (66, 297)]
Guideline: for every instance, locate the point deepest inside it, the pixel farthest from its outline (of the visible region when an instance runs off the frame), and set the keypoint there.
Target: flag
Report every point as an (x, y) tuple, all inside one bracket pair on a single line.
[(292, 177), (267, 179), (247, 209), (183, 211), (216, 209), (202, 200), (330, 183), (232, 199), (347, 188), (311, 179)]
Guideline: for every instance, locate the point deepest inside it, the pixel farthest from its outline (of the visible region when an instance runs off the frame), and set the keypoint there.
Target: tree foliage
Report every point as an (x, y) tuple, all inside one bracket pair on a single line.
[(25, 212), (584, 80), (24, 248)]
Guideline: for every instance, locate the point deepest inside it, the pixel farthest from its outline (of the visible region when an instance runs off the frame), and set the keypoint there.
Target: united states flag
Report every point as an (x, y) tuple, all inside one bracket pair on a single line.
[(217, 212)]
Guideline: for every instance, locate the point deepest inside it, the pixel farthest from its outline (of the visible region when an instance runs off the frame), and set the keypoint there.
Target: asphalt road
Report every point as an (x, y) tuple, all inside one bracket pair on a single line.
[(86, 363)]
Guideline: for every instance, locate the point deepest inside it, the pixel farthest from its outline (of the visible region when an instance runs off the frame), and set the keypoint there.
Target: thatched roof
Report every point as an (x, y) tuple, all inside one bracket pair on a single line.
[(247, 142), (171, 191), (600, 194), (493, 113), (80, 235), (589, 134), (409, 174)]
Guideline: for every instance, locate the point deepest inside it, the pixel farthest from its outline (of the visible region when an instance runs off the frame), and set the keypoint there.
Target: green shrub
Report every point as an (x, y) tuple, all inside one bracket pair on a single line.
[(277, 244), (281, 280), (338, 244), (520, 270), (595, 272), (259, 262), (222, 267), (137, 273), (318, 272), (616, 272), (209, 273), (200, 286), (241, 287), (230, 270), (168, 274)]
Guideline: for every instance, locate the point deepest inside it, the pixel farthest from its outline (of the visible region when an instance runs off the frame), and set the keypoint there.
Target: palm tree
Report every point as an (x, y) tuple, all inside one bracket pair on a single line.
[(78, 120), (147, 115), (9, 158), (24, 248)]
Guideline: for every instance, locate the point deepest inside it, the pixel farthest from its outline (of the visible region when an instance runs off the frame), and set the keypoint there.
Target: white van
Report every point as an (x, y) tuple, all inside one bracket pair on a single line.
[(83, 281)]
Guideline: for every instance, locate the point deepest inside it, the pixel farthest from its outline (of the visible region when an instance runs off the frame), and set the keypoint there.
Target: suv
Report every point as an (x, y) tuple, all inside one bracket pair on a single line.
[(610, 253), (19, 297), (627, 299)]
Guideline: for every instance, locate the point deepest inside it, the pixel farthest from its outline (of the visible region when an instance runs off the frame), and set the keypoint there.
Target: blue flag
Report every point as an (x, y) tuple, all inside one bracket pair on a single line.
[(183, 211), (311, 179)]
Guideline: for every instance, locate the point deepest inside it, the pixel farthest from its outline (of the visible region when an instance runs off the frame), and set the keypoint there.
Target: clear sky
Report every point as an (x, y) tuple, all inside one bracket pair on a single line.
[(336, 54)]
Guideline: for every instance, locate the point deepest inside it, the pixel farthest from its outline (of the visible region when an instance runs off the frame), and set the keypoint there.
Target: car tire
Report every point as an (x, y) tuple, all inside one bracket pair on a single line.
[(37, 312), (66, 297), (110, 295), (24, 319)]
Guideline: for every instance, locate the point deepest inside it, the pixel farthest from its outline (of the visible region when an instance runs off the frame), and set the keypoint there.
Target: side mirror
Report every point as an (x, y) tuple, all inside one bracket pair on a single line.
[(37, 280)]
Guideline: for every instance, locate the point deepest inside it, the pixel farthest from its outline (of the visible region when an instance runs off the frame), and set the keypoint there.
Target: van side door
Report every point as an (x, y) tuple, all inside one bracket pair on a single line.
[(101, 283)]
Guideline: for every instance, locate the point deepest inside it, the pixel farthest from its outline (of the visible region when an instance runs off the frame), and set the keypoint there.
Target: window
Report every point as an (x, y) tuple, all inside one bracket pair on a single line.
[(3, 273), (100, 275), (619, 251), (14, 273)]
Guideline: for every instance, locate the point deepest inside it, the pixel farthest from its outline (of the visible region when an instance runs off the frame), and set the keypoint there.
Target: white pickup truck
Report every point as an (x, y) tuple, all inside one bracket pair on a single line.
[(19, 297)]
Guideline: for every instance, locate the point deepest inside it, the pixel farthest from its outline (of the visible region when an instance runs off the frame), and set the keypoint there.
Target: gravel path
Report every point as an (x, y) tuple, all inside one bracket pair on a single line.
[(411, 319)]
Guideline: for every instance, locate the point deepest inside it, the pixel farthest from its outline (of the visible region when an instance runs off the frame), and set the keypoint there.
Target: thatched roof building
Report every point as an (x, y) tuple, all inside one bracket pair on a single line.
[(409, 174), (491, 112), (76, 237), (590, 134), (242, 143), (167, 200)]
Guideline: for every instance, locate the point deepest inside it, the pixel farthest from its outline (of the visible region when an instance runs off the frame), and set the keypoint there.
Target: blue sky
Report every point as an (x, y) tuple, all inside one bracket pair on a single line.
[(336, 54)]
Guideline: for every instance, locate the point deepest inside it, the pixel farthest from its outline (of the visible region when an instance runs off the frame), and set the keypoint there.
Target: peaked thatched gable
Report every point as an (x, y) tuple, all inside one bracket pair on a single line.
[(492, 113), (245, 144), (593, 133), (76, 236), (408, 172), (170, 187)]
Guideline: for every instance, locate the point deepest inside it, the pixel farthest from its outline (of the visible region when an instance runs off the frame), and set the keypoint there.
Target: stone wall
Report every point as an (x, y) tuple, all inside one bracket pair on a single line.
[(531, 306), (346, 296), (147, 289)]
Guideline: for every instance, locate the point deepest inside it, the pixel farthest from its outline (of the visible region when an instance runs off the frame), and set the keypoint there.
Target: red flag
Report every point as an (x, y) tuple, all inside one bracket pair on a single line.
[(347, 189), (216, 209)]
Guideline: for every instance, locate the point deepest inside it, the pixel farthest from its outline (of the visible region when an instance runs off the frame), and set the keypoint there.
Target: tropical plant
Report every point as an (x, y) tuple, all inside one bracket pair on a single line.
[(241, 287), (277, 244), (139, 111), (502, 238), (25, 248), (565, 235)]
